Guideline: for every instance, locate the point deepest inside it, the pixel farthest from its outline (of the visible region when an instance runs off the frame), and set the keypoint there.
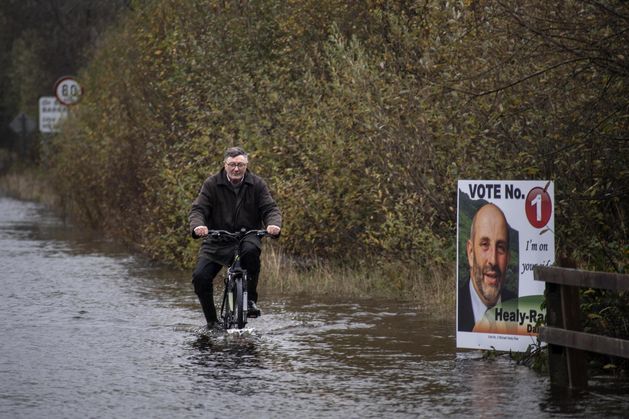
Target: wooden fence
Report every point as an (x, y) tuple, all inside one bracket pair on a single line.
[(567, 344)]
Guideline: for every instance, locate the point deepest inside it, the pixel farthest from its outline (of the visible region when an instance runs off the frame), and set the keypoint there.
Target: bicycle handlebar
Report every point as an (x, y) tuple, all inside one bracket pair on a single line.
[(238, 235)]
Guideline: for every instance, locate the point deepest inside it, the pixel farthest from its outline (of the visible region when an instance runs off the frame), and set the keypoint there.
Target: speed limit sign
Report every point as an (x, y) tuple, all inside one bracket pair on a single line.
[(68, 91)]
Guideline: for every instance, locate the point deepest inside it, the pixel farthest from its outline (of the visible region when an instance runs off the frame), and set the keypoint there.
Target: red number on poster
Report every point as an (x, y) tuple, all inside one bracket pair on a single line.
[(538, 207)]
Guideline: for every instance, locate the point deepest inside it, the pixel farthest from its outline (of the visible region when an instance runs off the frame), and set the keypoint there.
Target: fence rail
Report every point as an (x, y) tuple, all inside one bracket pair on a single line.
[(566, 342)]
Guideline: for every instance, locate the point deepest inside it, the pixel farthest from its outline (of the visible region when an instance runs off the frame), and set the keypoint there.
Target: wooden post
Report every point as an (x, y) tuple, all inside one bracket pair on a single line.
[(567, 344), (567, 366)]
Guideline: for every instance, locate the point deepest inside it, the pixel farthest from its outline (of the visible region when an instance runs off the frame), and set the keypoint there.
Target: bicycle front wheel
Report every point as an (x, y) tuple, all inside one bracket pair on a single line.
[(241, 315), (228, 308)]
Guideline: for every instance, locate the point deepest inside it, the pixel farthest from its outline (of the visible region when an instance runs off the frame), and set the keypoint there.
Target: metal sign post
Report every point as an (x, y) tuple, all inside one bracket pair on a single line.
[(23, 125)]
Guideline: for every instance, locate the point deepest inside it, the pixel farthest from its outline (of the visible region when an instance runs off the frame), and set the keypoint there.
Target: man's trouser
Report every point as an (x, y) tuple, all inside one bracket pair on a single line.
[(206, 270)]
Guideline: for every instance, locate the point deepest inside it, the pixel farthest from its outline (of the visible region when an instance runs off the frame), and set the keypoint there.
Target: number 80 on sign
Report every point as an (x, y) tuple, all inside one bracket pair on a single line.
[(68, 91)]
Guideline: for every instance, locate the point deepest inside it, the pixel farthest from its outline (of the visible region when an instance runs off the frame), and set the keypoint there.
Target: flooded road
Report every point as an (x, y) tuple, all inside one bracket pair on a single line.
[(89, 330)]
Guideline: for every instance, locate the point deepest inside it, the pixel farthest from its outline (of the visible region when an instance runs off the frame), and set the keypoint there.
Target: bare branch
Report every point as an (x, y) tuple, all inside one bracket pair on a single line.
[(531, 76)]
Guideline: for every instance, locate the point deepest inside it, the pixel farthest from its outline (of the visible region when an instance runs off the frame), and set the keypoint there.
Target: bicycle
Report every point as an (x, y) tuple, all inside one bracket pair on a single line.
[(234, 308)]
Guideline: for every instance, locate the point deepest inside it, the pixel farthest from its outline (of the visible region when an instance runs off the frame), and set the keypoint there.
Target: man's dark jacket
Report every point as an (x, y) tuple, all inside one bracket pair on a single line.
[(219, 208), (466, 312)]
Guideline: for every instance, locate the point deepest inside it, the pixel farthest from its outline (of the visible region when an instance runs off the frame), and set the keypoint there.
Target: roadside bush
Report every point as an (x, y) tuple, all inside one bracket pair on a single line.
[(361, 115)]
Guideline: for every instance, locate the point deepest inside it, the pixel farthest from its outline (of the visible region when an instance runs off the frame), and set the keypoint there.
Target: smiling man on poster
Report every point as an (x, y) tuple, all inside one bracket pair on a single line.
[(488, 257), (504, 230)]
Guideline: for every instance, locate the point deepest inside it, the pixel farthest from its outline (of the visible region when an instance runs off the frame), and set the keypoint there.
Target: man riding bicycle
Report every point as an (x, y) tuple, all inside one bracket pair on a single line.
[(232, 199)]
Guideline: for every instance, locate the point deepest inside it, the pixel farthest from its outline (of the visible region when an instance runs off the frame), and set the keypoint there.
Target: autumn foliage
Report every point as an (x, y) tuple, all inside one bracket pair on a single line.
[(361, 115)]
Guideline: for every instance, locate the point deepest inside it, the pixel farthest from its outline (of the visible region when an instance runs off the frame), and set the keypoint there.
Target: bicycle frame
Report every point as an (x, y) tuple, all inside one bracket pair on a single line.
[(235, 295)]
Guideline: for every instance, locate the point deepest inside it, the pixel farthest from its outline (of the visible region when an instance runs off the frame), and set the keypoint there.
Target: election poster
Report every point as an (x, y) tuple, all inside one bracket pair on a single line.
[(504, 230)]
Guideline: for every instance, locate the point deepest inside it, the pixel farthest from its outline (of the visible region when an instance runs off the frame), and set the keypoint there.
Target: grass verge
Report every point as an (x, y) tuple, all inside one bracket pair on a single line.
[(30, 185), (432, 292)]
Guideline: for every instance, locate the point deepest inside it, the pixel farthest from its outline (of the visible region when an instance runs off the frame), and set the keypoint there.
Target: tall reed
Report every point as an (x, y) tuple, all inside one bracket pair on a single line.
[(432, 290), (29, 184)]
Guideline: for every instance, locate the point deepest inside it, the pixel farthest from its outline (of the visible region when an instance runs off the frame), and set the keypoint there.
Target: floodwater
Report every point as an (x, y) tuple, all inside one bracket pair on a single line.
[(88, 330)]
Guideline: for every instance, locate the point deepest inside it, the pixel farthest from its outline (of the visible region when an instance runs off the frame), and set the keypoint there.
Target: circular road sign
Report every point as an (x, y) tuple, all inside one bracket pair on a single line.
[(68, 91)]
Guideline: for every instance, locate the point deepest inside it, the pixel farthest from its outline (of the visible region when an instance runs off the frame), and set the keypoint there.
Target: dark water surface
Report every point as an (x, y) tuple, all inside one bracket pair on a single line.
[(89, 330)]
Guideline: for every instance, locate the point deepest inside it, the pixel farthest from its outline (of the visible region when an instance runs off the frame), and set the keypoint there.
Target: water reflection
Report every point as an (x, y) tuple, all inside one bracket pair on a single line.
[(87, 329), (226, 358), (563, 400)]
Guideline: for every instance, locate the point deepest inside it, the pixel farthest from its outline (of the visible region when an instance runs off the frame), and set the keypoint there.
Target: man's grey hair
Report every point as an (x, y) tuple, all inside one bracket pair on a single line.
[(235, 152)]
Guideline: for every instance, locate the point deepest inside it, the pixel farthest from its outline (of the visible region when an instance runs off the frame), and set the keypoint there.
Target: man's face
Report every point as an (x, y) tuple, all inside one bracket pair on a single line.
[(236, 167), (488, 254)]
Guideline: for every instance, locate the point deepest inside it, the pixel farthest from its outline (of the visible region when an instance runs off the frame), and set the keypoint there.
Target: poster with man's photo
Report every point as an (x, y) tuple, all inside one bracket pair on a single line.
[(504, 229)]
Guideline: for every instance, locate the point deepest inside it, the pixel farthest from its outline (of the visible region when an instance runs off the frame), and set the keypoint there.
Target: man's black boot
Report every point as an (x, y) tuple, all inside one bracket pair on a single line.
[(252, 310), (209, 310)]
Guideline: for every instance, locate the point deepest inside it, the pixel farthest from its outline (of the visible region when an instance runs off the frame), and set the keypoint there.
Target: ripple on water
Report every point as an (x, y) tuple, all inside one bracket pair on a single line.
[(88, 330)]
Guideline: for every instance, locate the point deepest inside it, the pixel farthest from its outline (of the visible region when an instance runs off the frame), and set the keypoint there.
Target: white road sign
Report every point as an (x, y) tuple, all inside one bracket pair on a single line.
[(68, 91), (51, 112)]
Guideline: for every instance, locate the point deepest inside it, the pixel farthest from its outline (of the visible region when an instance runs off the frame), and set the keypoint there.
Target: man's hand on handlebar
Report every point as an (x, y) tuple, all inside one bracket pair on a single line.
[(273, 230), (201, 231)]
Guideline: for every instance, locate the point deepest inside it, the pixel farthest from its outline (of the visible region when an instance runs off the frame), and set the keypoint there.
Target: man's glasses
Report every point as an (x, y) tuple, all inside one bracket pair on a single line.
[(238, 165)]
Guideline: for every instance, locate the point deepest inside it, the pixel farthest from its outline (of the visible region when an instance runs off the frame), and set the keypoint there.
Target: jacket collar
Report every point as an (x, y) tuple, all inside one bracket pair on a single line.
[(223, 180)]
